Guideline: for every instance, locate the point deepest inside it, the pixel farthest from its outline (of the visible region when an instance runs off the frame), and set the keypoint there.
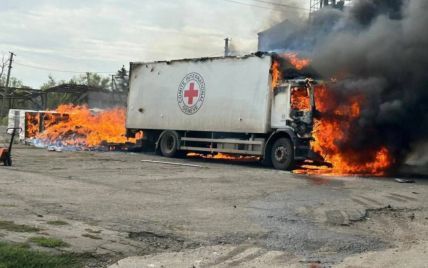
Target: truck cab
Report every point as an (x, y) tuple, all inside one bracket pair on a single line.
[(293, 107)]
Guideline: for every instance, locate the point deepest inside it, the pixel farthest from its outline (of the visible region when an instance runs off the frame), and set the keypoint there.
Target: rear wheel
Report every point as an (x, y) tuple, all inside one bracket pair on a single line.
[(169, 144), (282, 154)]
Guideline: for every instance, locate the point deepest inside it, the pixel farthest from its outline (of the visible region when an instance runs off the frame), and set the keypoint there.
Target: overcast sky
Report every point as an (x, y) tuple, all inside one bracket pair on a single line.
[(103, 35)]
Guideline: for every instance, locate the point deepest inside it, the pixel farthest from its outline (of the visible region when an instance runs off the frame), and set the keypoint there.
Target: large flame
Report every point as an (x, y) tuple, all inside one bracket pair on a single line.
[(79, 126), (333, 132), (333, 128), (292, 59)]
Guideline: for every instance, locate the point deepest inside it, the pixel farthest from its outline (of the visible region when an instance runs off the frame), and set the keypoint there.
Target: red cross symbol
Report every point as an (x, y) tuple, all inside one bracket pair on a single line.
[(191, 93)]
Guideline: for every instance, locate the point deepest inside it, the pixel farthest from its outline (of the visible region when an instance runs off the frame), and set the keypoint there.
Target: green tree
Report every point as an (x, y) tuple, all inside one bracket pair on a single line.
[(13, 82), (121, 80), (51, 83), (91, 79), (55, 99)]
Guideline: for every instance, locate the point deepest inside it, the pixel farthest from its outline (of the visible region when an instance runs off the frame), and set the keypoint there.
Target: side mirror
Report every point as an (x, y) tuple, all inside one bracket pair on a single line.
[(13, 130)]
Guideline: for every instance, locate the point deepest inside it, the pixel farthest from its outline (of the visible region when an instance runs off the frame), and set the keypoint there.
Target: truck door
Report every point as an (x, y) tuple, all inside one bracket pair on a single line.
[(302, 108)]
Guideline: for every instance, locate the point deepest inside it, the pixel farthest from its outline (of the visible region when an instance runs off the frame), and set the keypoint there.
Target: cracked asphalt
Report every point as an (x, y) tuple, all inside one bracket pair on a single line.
[(130, 213)]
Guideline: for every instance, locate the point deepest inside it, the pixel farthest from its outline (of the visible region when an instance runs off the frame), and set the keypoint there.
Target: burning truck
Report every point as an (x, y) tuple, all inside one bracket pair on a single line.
[(231, 105), (257, 107)]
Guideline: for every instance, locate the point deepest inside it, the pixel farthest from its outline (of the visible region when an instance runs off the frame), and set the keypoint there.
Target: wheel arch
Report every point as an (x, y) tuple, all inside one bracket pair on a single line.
[(280, 133), (175, 133)]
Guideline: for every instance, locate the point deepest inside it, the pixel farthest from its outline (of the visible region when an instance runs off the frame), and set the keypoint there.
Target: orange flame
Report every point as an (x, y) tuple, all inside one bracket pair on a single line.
[(224, 156), (276, 74), (332, 129), (300, 99), (298, 63), (32, 124), (79, 126)]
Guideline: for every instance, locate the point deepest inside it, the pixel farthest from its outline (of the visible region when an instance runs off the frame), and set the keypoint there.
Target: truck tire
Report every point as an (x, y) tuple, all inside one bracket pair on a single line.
[(169, 144), (282, 154)]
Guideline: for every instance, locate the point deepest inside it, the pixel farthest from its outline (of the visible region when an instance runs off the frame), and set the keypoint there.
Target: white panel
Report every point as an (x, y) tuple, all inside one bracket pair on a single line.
[(236, 98), (17, 119), (281, 107)]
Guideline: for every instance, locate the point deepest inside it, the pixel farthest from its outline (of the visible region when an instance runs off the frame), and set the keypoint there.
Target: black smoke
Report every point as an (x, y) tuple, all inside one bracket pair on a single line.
[(377, 48)]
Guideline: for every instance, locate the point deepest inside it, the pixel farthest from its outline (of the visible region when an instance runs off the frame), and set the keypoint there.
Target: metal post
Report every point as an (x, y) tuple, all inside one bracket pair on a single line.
[(226, 47), (8, 78)]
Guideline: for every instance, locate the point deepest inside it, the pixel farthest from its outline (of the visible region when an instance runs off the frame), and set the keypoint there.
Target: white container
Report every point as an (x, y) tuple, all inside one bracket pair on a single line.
[(213, 94)]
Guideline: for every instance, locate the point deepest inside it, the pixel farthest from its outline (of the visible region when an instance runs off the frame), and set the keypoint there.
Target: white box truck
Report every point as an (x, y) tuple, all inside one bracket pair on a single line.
[(221, 105)]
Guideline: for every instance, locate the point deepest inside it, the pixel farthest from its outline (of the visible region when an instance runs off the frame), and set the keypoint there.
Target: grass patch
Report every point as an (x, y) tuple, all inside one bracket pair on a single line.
[(48, 242), (20, 255), (58, 223), (13, 227), (91, 237)]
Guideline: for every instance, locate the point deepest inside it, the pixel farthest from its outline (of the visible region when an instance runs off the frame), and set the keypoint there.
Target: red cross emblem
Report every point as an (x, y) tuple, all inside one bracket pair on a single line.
[(191, 93)]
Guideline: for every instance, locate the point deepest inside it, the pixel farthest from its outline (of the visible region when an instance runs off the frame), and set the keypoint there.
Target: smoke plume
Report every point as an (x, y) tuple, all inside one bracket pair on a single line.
[(377, 49)]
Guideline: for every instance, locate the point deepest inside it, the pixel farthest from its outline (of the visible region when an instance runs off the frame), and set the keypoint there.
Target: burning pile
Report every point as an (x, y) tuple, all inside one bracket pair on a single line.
[(81, 128)]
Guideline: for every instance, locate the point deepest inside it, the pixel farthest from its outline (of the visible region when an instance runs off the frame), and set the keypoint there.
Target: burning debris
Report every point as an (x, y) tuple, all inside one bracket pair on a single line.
[(78, 128)]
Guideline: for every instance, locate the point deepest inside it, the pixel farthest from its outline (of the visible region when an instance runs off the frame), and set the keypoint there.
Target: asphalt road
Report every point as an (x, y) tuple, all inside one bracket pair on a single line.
[(216, 214)]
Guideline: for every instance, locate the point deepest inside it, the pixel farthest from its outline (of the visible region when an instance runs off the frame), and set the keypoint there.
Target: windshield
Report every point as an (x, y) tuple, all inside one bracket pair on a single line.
[(300, 99)]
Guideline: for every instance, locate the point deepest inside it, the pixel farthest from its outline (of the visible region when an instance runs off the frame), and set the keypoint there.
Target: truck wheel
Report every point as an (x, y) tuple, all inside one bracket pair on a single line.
[(282, 154), (169, 144)]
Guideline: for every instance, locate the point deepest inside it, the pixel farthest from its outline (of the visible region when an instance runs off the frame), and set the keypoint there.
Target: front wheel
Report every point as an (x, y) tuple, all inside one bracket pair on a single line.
[(282, 154), (169, 144)]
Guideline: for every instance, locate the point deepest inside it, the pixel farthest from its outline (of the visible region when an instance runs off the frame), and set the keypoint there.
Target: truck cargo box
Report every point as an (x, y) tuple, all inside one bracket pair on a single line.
[(229, 94)]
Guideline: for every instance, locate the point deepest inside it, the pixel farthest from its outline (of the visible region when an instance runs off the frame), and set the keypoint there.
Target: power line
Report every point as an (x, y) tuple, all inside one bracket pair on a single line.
[(57, 70), (282, 6), (248, 4)]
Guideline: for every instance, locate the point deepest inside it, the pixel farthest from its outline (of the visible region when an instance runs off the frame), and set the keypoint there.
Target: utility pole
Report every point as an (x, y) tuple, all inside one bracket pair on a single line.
[(88, 78), (226, 46), (8, 78), (10, 68), (6, 91)]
